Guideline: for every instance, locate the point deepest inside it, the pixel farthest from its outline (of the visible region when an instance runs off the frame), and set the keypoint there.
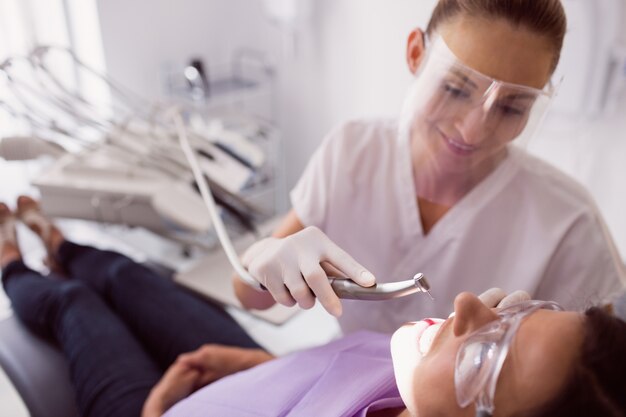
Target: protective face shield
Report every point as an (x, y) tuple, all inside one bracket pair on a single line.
[(460, 121), (481, 356)]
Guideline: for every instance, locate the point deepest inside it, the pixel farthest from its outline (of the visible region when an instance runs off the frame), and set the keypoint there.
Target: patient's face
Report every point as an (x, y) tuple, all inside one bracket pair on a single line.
[(544, 349)]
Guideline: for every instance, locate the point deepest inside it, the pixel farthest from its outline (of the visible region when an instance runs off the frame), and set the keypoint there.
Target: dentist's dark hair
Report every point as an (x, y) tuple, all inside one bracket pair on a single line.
[(597, 382), (544, 17)]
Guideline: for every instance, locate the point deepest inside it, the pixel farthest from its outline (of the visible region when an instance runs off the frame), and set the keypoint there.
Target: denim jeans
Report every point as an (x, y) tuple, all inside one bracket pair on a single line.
[(119, 324)]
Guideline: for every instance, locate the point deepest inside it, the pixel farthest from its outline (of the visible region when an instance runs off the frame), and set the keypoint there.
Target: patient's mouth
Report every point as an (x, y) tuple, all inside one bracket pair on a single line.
[(428, 335)]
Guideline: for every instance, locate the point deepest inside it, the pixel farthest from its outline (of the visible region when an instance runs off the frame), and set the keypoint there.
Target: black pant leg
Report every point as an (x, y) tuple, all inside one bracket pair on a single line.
[(167, 319), (111, 373)]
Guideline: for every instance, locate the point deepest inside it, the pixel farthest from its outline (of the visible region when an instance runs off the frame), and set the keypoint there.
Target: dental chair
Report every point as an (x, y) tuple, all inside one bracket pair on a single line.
[(37, 370)]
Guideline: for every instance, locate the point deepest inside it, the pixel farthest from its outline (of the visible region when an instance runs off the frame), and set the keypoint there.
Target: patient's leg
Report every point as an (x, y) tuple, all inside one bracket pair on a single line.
[(168, 320), (111, 373)]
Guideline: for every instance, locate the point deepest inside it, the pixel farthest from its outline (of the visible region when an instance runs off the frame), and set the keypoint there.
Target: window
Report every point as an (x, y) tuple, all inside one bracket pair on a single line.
[(72, 24)]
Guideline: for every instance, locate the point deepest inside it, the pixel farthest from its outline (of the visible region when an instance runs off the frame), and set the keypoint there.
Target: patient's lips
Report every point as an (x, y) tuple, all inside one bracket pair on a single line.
[(428, 335)]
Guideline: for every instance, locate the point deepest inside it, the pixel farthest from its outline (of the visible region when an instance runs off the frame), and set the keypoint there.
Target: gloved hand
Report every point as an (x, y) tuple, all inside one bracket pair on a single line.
[(295, 269), (495, 297)]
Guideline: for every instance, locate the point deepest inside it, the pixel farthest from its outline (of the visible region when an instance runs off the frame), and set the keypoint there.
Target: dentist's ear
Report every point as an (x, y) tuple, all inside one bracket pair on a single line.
[(415, 49)]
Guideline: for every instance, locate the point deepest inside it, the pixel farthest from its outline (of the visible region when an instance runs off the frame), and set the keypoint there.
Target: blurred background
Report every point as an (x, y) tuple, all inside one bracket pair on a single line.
[(334, 60)]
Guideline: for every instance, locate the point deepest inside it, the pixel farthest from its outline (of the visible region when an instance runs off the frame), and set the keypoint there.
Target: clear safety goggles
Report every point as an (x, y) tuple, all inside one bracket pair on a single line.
[(481, 356), (472, 109)]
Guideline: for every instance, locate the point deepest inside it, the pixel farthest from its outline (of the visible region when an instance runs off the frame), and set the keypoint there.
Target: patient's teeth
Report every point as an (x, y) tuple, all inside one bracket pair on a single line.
[(426, 339)]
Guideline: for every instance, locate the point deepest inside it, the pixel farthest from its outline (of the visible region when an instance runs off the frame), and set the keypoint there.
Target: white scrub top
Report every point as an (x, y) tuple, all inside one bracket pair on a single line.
[(526, 226)]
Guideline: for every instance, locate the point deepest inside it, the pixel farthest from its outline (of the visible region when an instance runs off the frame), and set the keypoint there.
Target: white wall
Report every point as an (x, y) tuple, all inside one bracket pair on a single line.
[(350, 62), (592, 147), (142, 37), (364, 44)]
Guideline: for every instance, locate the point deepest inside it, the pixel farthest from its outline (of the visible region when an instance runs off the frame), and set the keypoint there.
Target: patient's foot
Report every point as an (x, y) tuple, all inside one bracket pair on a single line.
[(30, 214), (9, 250)]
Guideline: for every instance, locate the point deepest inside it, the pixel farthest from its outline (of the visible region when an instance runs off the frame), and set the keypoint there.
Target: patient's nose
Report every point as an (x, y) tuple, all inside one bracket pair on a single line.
[(470, 314)]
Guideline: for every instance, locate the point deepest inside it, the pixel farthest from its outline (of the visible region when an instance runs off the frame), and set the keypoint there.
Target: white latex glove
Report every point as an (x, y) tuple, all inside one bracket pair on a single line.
[(295, 269), (495, 297)]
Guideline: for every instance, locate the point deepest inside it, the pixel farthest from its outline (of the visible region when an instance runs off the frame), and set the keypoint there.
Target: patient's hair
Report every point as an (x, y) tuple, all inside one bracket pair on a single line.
[(544, 17), (597, 383)]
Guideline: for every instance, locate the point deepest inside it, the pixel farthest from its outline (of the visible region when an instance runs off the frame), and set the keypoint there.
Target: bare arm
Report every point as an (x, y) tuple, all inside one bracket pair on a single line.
[(178, 382), (194, 370), (261, 300)]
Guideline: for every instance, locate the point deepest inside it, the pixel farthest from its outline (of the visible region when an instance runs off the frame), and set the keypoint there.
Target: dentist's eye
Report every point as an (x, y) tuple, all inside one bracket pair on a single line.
[(455, 92), (508, 110)]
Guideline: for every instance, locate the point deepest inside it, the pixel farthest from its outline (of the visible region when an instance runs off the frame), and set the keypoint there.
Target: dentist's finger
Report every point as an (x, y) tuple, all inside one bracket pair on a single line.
[(271, 277), (344, 262), (492, 297), (317, 280), (331, 271), (298, 287), (514, 298)]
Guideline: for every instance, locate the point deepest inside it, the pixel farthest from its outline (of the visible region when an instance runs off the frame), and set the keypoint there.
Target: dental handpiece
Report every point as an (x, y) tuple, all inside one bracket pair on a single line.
[(348, 289)]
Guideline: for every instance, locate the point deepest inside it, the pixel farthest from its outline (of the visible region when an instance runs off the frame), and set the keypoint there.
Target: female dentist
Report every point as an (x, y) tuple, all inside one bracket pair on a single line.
[(442, 190)]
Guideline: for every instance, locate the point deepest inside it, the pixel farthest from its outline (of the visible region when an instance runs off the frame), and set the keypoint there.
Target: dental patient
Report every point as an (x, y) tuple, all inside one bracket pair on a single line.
[(528, 359), (125, 332)]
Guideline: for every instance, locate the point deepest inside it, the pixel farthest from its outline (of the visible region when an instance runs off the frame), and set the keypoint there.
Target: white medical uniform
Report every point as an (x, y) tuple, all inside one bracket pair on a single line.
[(526, 226)]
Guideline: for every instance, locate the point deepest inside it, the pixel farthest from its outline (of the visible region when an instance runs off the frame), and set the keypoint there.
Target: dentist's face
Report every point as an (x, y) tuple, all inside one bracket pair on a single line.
[(462, 138), (543, 351)]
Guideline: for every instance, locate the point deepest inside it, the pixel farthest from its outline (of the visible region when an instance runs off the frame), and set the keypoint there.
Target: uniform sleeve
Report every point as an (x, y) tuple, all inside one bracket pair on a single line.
[(586, 269), (311, 195)]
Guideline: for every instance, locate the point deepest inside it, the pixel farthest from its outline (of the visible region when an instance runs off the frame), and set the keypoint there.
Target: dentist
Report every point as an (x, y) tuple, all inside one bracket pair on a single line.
[(443, 190)]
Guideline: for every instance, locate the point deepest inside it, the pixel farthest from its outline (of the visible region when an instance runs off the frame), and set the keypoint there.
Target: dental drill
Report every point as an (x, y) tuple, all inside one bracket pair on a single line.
[(344, 288), (348, 289)]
